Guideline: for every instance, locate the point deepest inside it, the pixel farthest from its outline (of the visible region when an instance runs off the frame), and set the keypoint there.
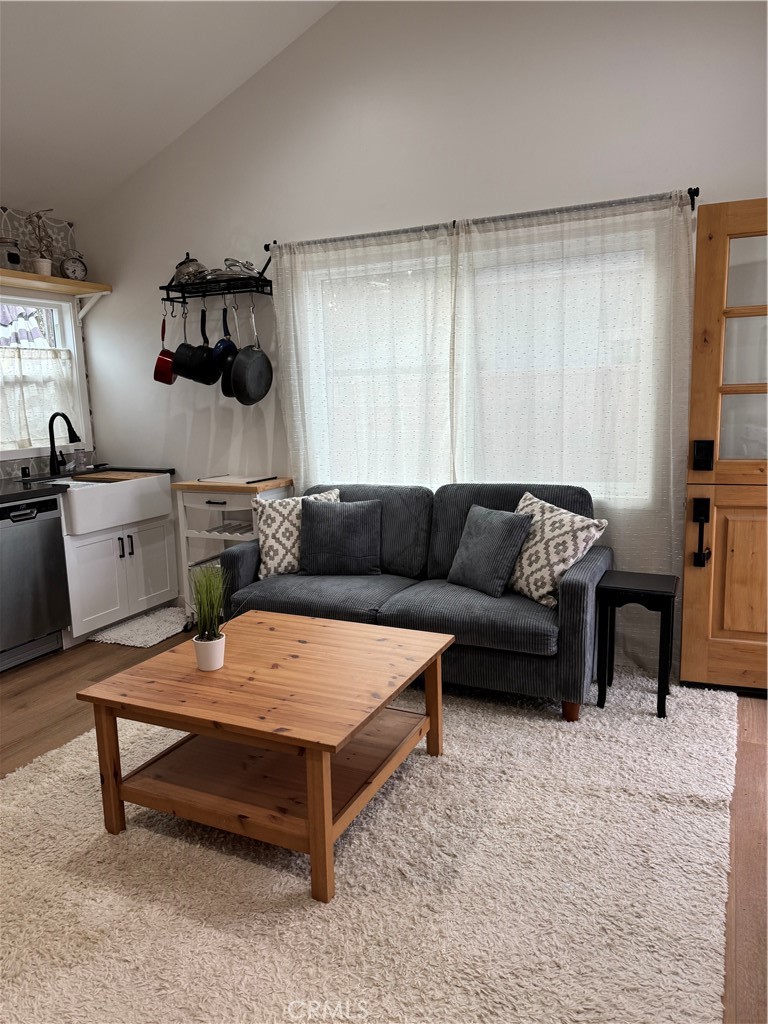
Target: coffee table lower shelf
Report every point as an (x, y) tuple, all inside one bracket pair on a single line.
[(262, 793)]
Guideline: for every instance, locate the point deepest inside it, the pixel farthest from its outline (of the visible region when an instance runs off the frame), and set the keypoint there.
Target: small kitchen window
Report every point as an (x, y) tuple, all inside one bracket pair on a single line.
[(42, 371)]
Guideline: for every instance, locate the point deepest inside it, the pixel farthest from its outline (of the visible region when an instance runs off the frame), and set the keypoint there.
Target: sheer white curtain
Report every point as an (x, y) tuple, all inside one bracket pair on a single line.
[(549, 347), (365, 329), (572, 353), (33, 383)]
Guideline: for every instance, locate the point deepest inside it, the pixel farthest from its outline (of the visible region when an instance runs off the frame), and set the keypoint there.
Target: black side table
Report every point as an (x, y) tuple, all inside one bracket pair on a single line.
[(654, 592)]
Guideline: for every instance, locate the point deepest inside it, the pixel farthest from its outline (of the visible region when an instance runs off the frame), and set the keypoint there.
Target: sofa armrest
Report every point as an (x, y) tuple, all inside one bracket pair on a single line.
[(576, 641), (241, 566)]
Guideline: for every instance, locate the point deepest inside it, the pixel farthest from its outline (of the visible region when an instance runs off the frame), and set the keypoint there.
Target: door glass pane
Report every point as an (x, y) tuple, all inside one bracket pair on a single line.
[(744, 427), (746, 350), (747, 267)]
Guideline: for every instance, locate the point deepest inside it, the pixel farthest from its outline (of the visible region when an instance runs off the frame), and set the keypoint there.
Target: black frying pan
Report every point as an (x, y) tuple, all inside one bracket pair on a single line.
[(229, 360), (182, 357), (251, 372), (204, 368)]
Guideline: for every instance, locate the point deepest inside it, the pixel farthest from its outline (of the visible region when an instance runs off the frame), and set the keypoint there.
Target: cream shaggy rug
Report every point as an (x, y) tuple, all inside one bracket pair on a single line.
[(144, 630), (537, 873)]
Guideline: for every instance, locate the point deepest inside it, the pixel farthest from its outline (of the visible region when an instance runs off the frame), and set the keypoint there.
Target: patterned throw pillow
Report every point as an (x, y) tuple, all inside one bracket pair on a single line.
[(278, 526), (556, 540)]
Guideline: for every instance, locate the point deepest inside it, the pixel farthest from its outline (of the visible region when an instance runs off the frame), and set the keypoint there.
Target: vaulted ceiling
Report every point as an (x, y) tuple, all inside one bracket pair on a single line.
[(90, 92)]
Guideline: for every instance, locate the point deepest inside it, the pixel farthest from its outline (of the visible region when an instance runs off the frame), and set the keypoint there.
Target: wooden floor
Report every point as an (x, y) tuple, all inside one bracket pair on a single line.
[(38, 712), (38, 709)]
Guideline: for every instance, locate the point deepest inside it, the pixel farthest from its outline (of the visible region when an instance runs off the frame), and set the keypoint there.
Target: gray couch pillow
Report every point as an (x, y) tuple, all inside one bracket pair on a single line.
[(341, 539), (490, 544)]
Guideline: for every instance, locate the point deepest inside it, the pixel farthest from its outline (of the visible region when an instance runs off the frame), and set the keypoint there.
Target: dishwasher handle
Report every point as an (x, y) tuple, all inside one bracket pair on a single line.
[(23, 516)]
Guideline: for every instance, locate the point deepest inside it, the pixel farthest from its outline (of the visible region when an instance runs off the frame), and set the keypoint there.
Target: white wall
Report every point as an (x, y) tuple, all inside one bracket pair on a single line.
[(394, 114)]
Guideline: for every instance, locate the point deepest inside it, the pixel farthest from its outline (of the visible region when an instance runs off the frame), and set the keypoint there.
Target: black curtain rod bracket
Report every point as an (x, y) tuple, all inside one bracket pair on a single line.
[(693, 195)]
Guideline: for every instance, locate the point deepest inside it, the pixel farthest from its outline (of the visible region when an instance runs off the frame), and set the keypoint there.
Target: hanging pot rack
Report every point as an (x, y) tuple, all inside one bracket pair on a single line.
[(182, 293)]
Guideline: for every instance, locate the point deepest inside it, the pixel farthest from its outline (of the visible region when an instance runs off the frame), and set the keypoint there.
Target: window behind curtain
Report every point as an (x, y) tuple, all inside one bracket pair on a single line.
[(564, 353), (365, 348), (548, 347), (543, 348), (39, 375)]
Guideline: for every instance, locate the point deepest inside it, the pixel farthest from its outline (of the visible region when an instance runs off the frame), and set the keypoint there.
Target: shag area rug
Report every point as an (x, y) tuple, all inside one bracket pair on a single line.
[(538, 873), (144, 630)]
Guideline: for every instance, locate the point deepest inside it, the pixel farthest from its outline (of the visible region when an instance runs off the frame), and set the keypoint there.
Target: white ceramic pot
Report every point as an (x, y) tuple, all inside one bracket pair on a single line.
[(209, 653), (42, 266)]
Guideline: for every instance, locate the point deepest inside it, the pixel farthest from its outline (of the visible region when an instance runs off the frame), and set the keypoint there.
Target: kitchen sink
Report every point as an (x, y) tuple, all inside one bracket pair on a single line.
[(99, 505)]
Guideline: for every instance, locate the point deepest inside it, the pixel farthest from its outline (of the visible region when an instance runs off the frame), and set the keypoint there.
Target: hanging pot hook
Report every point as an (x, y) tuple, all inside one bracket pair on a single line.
[(165, 309), (173, 311), (202, 303), (253, 307), (237, 323)]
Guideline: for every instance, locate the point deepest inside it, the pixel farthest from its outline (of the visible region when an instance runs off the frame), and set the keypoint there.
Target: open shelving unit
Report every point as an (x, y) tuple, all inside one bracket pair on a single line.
[(262, 793), (219, 511), (89, 291)]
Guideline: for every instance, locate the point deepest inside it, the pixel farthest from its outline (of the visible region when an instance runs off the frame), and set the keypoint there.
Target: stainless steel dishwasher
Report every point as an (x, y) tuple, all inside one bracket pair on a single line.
[(34, 598)]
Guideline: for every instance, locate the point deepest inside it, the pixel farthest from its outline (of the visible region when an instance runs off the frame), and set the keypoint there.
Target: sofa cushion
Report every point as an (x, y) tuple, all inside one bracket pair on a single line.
[(509, 623), (489, 547), (453, 502), (278, 526), (406, 515), (556, 540), (340, 539), (354, 598)]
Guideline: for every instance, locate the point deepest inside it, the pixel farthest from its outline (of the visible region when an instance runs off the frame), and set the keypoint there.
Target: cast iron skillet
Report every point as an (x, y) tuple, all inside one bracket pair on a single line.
[(251, 372)]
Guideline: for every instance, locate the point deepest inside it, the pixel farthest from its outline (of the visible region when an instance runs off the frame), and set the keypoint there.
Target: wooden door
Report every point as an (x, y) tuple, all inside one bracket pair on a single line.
[(725, 610)]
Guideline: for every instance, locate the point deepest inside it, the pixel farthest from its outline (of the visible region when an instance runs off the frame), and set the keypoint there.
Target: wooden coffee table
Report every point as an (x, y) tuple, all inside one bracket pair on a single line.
[(288, 742)]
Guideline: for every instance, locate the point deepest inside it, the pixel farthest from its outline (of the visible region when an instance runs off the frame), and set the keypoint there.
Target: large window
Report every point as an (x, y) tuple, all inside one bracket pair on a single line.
[(41, 372), (546, 348)]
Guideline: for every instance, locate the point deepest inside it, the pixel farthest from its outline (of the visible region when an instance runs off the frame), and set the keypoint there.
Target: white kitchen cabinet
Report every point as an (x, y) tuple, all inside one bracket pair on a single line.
[(116, 573)]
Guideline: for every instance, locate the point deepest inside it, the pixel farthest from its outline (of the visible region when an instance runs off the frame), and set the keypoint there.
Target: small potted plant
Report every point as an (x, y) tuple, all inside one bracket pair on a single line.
[(208, 589), (42, 253)]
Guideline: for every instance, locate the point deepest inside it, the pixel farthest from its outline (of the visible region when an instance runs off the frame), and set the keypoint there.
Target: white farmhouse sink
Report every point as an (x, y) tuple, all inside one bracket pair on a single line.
[(90, 506)]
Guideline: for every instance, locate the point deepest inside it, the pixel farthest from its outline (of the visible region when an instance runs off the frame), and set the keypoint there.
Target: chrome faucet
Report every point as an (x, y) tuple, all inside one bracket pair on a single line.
[(58, 461)]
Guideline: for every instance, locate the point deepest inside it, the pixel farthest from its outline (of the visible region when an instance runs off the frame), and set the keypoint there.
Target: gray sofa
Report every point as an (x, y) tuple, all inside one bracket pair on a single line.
[(509, 644)]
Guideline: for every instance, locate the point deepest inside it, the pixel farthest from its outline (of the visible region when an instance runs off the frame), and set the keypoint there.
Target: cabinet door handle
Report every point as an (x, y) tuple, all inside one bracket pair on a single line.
[(121, 545), (215, 502), (130, 544)]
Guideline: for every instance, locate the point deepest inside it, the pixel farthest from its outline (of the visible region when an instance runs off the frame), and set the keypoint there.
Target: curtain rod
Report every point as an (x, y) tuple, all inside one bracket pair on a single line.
[(606, 204)]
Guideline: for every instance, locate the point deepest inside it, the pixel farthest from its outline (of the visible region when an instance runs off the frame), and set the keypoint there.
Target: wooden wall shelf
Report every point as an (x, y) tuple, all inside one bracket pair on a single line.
[(57, 285), (89, 291)]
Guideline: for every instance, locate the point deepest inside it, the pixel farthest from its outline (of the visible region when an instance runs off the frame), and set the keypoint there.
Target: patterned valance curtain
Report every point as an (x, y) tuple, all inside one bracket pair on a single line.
[(549, 348)]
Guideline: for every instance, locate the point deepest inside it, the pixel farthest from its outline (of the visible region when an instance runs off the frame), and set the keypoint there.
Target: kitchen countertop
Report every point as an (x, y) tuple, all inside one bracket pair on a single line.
[(20, 490), (222, 486), (42, 487)]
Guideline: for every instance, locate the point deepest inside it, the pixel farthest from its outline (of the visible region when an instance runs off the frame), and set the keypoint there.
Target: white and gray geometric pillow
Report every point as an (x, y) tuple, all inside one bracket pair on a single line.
[(557, 538), (278, 526)]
